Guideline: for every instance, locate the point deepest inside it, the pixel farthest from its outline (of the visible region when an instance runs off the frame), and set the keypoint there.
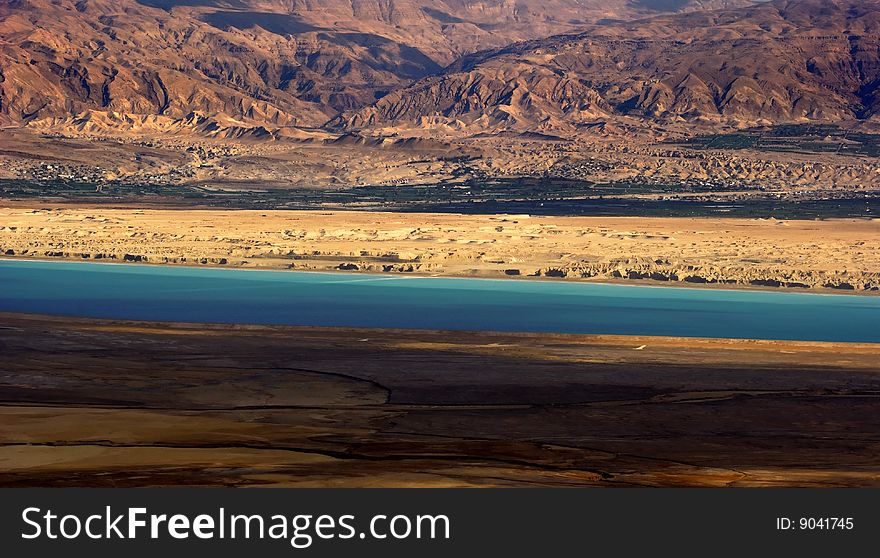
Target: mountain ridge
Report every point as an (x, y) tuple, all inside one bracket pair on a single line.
[(781, 62), (272, 63)]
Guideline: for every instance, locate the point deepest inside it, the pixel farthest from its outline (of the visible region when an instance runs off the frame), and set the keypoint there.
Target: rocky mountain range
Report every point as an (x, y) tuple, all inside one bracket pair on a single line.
[(253, 67), (158, 64), (779, 62)]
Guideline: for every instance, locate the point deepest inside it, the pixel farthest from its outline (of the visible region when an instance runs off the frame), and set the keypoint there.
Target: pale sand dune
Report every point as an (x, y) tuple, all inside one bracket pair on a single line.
[(839, 254)]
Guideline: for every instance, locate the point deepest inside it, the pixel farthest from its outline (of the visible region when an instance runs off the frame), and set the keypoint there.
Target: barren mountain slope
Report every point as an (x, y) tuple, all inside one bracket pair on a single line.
[(60, 59), (443, 30), (785, 61), (244, 63)]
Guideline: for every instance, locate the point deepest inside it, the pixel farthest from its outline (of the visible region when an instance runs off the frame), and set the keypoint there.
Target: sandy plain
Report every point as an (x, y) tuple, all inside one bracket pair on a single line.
[(840, 255), (327, 160), (280, 406)]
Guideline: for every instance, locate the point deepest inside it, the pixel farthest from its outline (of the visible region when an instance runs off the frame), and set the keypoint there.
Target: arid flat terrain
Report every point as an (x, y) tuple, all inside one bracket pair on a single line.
[(83, 405), (834, 254), (765, 162)]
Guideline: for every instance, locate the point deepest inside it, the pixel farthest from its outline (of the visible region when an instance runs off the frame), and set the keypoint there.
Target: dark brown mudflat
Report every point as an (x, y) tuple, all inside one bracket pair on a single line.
[(110, 403)]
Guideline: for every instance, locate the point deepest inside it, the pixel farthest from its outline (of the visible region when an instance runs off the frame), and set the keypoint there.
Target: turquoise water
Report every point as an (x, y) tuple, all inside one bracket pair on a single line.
[(334, 299)]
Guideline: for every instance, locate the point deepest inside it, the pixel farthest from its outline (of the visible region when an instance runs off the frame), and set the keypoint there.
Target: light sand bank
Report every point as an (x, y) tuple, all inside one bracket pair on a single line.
[(839, 254)]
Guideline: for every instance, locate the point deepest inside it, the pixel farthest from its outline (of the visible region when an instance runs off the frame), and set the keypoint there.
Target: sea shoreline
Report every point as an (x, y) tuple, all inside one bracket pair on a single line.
[(642, 283), (827, 257), (216, 295), (585, 339)]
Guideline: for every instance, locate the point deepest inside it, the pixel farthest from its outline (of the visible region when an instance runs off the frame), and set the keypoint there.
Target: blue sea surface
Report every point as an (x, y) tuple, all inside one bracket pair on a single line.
[(188, 294)]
